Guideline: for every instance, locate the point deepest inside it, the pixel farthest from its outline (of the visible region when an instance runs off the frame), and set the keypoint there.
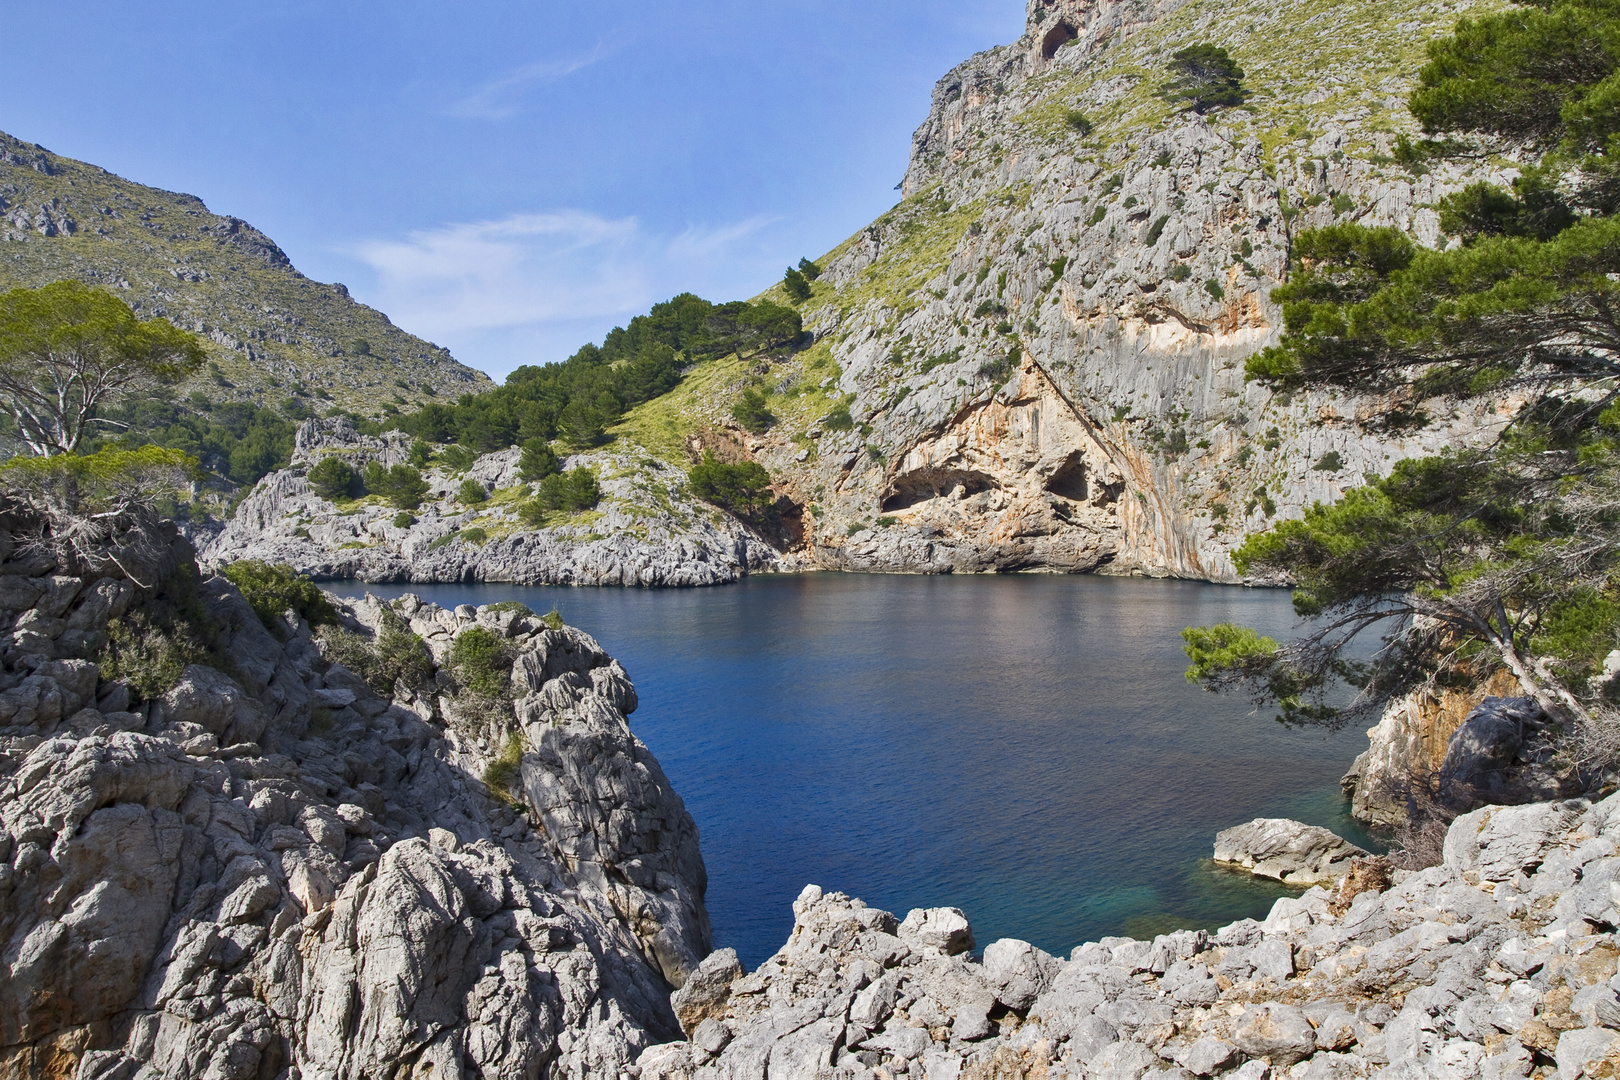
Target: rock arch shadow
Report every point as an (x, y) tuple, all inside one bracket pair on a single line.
[(1057, 37)]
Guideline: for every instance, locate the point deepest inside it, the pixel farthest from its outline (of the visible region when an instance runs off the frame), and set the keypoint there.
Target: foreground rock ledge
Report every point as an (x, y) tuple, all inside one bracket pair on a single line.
[(1499, 963)]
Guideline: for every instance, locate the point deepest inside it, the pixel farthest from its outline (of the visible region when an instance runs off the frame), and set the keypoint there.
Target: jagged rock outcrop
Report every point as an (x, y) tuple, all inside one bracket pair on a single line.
[(1499, 963), (270, 869), (1287, 851), (646, 531), (1460, 749)]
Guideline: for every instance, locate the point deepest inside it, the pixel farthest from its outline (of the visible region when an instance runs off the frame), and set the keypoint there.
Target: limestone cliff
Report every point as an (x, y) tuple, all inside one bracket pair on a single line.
[(1035, 361), (272, 865)]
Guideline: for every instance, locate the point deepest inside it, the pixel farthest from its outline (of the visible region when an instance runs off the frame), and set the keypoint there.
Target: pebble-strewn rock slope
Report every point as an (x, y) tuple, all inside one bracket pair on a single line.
[(646, 531), (1041, 348), (1499, 963), (272, 870)]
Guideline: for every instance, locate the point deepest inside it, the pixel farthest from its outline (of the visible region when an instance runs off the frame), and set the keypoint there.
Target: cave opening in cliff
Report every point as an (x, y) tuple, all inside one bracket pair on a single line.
[(1069, 481), (1057, 37), (928, 484)]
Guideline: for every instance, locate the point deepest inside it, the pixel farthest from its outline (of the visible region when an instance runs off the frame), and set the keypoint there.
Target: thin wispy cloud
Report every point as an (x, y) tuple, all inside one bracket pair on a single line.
[(502, 98), (534, 273)]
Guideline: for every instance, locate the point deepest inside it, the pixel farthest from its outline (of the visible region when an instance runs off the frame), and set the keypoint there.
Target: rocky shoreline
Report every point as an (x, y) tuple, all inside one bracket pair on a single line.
[(1501, 962), (647, 530)]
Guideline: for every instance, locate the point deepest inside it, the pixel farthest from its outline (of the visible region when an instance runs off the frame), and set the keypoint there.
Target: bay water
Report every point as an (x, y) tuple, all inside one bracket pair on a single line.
[(1022, 747)]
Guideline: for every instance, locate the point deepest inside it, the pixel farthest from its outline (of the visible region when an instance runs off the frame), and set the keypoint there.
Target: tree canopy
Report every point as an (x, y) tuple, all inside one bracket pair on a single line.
[(1205, 77), (1502, 556), (68, 350), (578, 398)]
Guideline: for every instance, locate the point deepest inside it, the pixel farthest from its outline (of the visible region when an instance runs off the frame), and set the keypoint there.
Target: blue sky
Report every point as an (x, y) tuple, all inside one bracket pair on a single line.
[(509, 180)]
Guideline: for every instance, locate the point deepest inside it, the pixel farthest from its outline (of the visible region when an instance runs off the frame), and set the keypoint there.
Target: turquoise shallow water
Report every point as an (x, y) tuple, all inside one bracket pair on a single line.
[(1024, 748)]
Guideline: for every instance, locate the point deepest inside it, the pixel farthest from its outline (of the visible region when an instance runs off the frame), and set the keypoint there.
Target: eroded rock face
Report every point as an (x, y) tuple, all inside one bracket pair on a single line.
[(272, 870), (1115, 283), (1499, 963), (1464, 748)]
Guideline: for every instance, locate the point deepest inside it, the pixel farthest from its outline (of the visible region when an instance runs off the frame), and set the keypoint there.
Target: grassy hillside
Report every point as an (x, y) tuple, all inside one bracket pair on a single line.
[(272, 333)]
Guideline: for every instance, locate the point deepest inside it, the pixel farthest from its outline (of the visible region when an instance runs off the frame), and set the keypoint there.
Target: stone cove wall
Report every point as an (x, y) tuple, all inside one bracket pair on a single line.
[(268, 867)]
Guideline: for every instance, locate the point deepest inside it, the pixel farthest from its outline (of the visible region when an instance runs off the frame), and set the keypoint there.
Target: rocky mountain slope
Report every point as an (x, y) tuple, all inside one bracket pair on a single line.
[(1500, 962), (647, 530), (1041, 348), (273, 866), (270, 330)]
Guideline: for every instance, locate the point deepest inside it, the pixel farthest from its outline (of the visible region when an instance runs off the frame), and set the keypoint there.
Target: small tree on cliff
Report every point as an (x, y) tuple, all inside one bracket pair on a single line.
[(68, 350), (1205, 78), (1500, 557)]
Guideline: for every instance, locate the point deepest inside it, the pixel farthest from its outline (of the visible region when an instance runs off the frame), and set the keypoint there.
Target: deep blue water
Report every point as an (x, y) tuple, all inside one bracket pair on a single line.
[(1024, 747)]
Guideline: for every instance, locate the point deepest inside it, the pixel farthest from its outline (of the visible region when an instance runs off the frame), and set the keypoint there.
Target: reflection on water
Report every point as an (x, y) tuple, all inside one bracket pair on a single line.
[(1024, 748)]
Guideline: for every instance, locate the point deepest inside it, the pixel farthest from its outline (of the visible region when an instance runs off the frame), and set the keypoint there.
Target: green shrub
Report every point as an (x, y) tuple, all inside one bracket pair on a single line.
[(1156, 230), (334, 478), (457, 458), (145, 656), (538, 460), (751, 411), (395, 655), (1215, 290), (839, 419), (504, 771), (401, 485), (151, 645), (471, 492), (1343, 204), (1206, 77), (574, 490), (271, 590), (404, 519), (474, 535), (510, 605), (532, 513), (553, 619), (743, 488), (1180, 272), (1163, 160), (1329, 462), (421, 454), (796, 285), (1097, 215), (1002, 368), (481, 662), (810, 270), (1077, 120)]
